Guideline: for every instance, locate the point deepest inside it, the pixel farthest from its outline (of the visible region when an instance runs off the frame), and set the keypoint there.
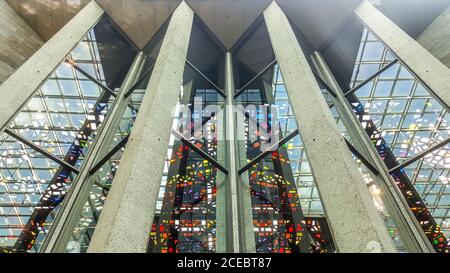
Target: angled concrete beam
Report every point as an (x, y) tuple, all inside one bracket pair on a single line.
[(21, 85), (127, 217), (433, 73), (351, 213)]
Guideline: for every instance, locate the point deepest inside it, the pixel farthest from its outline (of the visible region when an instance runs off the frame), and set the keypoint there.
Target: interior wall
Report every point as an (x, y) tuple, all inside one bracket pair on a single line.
[(436, 38), (17, 41)]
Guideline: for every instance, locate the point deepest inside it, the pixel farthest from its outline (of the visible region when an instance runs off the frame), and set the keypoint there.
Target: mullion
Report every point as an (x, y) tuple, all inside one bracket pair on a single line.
[(402, 120), (139, 81), (90, 77), (261, 73), (61, 151), (267, 152), (41, 151), (374, 76), (441, 193), (433, 134)]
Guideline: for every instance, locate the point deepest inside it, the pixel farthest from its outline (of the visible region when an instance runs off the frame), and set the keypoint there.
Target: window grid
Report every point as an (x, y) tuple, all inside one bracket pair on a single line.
[(410, 120)]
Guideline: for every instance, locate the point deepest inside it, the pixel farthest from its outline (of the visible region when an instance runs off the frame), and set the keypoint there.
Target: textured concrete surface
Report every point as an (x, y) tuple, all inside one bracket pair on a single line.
[(21, 85), (436, 38), (433, 73), (125, 222), (351, 213), (17, 41)]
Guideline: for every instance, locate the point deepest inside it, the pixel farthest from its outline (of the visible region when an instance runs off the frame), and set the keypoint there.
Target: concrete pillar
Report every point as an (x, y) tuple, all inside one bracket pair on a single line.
[(126, 219), (223, 234), (239, 200), (351, 213), (436, 38), (232, 159), (420, 61), (18, 41), (21, 85)]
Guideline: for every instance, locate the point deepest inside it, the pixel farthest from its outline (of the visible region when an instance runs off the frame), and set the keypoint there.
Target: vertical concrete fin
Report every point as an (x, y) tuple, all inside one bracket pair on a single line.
[(351, 213)]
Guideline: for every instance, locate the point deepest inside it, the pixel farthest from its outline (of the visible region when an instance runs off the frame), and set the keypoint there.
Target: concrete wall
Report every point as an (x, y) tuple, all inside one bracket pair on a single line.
[(17, 41), (436, 38)]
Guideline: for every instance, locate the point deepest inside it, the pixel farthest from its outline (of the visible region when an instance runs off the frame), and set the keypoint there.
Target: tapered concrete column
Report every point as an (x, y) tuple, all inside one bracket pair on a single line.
[(420, 61), (351, 213), (21, 85), (126, 219)]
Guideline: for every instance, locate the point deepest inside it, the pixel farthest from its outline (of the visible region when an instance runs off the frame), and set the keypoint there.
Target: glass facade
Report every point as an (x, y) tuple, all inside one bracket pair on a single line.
[(62, 118), (69, 138)]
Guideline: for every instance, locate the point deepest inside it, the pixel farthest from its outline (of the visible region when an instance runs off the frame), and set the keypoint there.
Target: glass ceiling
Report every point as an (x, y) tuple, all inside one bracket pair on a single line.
[(409, 120)]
